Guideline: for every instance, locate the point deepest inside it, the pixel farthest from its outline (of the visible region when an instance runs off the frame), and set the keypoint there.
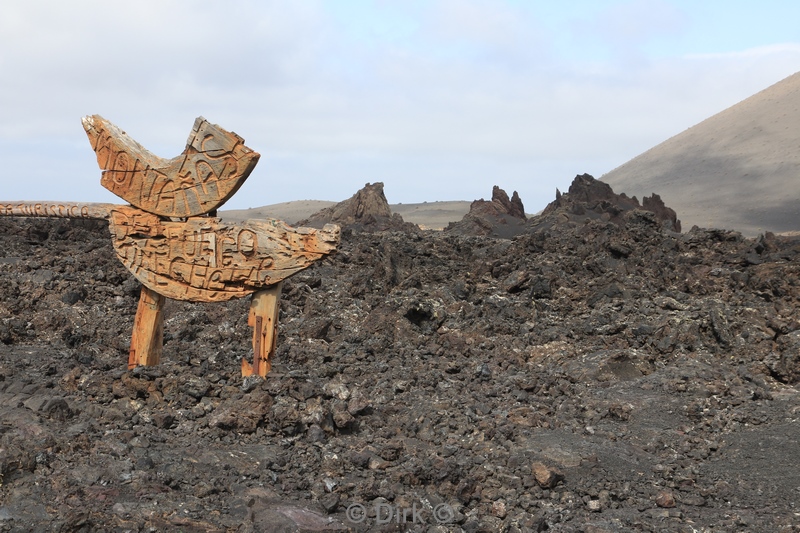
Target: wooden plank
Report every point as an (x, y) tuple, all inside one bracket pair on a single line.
[(56, 209), (148, 330), (204, 259), (263, 318), (212, 167)]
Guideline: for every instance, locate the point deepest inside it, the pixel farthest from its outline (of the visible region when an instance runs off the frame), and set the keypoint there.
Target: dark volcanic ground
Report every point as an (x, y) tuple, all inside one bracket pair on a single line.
[(584, 376)]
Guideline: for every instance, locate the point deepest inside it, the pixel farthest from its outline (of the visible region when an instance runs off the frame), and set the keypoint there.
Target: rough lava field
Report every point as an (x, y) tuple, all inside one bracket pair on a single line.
[(590, 369)]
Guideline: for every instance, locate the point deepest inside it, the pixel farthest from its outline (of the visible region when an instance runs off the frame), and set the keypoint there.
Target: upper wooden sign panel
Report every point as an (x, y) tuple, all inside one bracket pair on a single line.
[(210, 170)]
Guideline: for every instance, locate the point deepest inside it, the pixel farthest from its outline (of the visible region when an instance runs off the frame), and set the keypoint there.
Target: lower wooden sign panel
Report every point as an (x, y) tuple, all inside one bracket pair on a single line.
[(204, 259)]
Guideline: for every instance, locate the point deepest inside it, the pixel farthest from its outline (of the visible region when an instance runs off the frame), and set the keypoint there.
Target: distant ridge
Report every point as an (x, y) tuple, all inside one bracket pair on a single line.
[(289, 212), (428, 215), (739, 169)]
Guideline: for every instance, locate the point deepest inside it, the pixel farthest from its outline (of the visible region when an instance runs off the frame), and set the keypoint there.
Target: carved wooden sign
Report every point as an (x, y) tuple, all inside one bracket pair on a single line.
[(199, 258), (207, 260), (212, 167)]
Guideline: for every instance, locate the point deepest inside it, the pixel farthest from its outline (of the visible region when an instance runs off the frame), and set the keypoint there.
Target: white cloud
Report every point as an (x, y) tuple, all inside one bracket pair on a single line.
[(473, 95)]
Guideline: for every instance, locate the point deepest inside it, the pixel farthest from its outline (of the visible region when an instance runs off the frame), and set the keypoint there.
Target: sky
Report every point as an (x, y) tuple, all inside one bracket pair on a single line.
[(437, 99)]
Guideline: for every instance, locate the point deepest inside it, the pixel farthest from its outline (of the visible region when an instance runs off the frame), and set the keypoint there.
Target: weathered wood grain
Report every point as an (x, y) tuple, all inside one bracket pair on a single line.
[(56, 209), (204, 259), (263, 318), (210, 170), (147, 338)]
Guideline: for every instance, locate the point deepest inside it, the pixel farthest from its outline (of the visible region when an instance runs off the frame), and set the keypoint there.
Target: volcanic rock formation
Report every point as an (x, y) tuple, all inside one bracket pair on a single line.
[(500, 217), (586, 376), (591, 198), (586, 199), (366, 210)]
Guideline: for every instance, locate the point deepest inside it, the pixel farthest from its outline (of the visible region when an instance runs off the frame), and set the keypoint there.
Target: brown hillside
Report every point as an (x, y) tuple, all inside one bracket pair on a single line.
[(739, 169)]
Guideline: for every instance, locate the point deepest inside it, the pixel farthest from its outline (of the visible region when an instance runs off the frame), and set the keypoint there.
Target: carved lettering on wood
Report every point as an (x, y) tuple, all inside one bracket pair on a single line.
[(204, 259), (55, 209), (210, 170)]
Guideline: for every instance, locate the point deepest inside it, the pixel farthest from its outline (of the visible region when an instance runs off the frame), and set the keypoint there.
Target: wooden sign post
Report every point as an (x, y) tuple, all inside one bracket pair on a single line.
[(263, 318), (148, 330), (170, 240)]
